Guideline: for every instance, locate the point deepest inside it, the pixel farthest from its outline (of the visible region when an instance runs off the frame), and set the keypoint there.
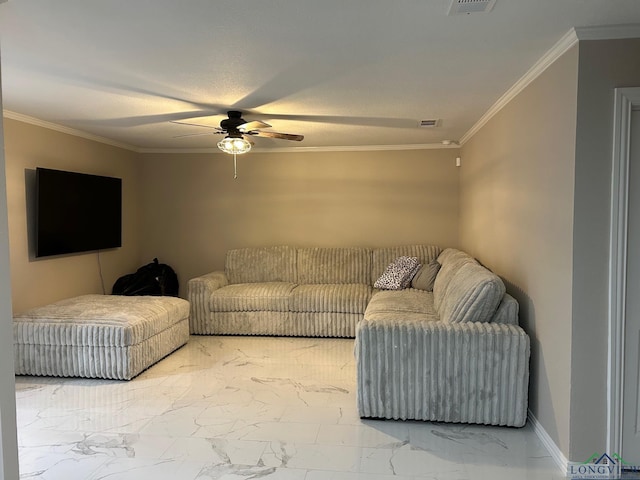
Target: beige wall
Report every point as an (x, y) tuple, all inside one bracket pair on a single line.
[(39, 281), (195, 211), (604, 65), (541, 170), (516, 212)]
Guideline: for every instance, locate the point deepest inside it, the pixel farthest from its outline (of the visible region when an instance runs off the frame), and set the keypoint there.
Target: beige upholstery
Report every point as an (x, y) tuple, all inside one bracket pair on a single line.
[(252, 297), (455, 354), (447, 372), (103, 336), (381, 257), (451, 261), (263, 264), (339, 298), (333, 265), (507, 311), (315, 284), (462, 359), (304, 291), (472, 295), (409, 305)]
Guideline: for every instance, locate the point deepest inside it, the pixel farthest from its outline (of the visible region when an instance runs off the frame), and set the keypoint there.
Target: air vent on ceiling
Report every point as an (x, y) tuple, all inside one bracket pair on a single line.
[(428, 123), (470, 6)]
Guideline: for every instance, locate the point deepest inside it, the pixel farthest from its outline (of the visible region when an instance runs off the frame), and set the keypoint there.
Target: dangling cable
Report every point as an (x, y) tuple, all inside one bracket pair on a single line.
[(100, 273)]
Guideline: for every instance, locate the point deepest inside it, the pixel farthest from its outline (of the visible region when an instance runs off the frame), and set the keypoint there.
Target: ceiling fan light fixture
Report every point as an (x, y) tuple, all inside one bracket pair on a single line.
[(234, 145)]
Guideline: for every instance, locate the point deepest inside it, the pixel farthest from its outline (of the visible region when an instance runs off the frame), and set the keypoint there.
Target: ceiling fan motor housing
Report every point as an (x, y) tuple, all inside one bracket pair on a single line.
[(232, 123), (237, 127)]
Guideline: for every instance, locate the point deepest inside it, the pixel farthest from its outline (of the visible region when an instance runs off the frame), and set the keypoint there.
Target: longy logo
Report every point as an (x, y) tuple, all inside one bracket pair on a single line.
[(600, 466)]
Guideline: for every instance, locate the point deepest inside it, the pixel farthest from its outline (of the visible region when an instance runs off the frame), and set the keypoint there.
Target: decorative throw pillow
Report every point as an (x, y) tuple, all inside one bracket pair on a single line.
[(423, 280), (398, 273), (409, 278)]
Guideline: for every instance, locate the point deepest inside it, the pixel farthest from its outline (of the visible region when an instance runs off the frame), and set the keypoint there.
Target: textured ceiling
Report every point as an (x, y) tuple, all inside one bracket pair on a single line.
[(341, 73)]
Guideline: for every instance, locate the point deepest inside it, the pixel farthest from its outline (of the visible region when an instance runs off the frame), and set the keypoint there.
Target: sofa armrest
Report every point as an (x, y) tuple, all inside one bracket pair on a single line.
[(199, 293), (474, 372), (507, 311)]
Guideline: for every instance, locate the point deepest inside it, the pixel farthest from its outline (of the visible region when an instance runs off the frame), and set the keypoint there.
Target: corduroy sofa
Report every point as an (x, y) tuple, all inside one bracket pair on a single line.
[(453, 354)]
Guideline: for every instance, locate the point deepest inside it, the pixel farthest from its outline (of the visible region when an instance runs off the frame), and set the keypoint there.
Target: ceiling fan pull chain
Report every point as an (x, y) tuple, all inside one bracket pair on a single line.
[(235, 167)]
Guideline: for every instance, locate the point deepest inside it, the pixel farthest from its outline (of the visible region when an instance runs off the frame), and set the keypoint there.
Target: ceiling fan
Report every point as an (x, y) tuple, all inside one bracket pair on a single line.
[(236, 128)]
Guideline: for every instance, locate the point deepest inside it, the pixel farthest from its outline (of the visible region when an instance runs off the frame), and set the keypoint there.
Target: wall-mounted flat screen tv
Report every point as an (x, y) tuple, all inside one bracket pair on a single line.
[(76, 212)]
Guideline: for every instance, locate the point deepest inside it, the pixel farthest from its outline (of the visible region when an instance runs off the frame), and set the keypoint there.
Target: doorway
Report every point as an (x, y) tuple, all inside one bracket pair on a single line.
[(624, 281), (631, 385)]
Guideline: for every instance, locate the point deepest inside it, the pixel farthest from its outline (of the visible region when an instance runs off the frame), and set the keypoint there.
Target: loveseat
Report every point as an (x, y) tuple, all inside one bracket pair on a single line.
[(453, 354)]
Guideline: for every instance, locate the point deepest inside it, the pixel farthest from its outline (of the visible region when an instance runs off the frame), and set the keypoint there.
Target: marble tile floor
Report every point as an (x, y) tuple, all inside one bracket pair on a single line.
[(247, 408)]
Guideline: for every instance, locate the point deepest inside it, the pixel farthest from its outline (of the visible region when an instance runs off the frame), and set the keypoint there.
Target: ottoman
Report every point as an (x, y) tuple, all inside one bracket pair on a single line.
[(99, 336)]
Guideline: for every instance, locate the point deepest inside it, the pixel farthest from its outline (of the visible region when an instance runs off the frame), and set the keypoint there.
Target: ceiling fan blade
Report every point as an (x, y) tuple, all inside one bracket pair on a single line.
[(197, 125), (245, 127), (283, 136), (201, 133), (387, 122)]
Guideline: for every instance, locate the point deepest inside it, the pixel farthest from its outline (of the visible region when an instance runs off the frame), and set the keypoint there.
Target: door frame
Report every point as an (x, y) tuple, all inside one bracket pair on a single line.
[(626, 100)]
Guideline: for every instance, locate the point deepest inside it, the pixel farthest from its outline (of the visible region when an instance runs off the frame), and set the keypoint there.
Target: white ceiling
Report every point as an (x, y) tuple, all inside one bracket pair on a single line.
[(340, 72)]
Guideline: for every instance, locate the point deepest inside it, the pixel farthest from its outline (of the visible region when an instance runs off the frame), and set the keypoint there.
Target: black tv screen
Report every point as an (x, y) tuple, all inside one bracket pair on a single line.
[(76, 212)]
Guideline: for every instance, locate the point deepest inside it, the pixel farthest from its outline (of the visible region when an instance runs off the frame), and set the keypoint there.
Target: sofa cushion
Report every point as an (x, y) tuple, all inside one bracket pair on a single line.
[(251, 297), (396, 317), (473, 295), (451, 260), (426, 276), (333, 265), (398, 274), (335, 298), (382, 257), (261, 264), (401, 305), (449, 254), (408, 300)]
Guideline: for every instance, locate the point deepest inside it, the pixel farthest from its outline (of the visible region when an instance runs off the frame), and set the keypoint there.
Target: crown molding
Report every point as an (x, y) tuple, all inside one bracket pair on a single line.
[(334, 148), (337, 148), (608, 32), (565, 43), (571, 38), (69, 131)]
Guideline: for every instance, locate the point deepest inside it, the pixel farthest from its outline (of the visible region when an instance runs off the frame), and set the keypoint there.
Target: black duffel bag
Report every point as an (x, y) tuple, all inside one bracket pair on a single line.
[(151, 279)]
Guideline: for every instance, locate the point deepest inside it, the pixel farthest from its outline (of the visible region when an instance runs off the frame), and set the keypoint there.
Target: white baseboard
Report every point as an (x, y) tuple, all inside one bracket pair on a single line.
[(548, 442)]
